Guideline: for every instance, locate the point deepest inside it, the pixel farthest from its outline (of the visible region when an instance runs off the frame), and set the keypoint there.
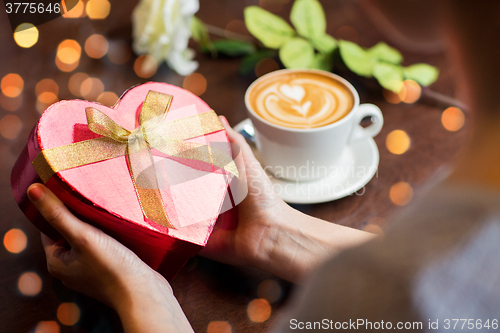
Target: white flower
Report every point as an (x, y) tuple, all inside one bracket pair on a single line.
[(161, 28)]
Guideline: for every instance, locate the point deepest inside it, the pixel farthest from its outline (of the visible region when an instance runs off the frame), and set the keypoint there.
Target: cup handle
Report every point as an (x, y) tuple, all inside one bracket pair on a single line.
[(366, 110)]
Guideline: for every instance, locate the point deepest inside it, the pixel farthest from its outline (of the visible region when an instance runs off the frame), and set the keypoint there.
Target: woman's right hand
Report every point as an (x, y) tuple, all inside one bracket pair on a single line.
[(269, 234), (245, 242)]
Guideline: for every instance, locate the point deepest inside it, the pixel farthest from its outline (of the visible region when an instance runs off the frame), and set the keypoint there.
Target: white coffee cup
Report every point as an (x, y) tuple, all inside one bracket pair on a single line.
[(307, 154)]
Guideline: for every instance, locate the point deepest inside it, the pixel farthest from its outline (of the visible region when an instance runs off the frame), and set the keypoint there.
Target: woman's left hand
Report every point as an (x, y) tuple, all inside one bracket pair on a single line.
[(93, 263)]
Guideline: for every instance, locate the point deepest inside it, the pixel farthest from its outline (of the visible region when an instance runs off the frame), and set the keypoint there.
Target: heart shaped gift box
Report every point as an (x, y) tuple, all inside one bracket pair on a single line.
[(161, 202)]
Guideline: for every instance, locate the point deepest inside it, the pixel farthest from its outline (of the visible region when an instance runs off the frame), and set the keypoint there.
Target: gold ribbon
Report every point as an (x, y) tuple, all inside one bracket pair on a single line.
[(153, 132)]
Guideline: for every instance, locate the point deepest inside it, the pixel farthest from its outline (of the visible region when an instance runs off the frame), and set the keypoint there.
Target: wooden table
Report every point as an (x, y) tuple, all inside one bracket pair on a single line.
[(208, 291)]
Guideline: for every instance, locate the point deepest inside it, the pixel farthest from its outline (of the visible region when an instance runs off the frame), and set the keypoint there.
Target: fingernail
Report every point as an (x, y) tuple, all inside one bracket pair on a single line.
[(224, 121), (35, 192)]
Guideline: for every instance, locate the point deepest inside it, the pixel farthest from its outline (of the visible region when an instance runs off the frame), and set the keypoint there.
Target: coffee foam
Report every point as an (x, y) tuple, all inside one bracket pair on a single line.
[(301, 100)]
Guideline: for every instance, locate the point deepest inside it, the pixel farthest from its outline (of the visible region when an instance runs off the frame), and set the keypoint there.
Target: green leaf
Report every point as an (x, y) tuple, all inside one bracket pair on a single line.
[(232, 48), (324, 43), (297, 53), (200, 35), (249, 62), (356, 58), (322, 61), (384, 52), (270, 29), (422, 73), (389, 76), (308, 18), (198, 29)]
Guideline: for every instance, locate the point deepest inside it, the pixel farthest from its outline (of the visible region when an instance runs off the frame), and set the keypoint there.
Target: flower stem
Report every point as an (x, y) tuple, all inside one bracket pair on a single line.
[(226, 33), (443, 99)]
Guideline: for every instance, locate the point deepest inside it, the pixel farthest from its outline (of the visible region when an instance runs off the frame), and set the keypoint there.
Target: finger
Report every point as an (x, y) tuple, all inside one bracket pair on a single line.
[(253, 168), (54, 252), (54, 211), (46, 240), (52, 248), (238, 139)]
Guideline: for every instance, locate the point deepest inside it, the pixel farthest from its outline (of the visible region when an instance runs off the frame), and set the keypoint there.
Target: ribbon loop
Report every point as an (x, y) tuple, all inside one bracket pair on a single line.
[(156, 104), (101, 124)]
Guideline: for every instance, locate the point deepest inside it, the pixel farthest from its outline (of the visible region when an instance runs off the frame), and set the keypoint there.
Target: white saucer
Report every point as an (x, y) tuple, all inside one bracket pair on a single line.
[(356, 167)]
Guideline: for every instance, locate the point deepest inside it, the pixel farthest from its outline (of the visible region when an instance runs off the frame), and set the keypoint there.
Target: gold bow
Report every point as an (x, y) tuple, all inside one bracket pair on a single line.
[(153, 132)]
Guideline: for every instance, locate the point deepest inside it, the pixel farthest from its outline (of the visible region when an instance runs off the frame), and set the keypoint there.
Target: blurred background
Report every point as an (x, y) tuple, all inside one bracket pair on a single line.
[(88, 54)]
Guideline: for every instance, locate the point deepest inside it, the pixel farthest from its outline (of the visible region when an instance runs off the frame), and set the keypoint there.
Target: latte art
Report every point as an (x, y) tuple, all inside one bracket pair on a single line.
[(301, 100)]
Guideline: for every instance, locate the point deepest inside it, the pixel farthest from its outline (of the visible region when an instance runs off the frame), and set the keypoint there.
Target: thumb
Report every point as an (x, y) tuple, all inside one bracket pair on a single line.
[(239, 140), (56, 213)]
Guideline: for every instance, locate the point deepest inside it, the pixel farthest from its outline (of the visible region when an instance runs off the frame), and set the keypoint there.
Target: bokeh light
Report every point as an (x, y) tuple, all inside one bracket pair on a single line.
[(65, 67), (98, 9), (46, 91), (10, 126), (401, 193), (235, 26), (47, 97), (46, 85), (410, 92), (145, 66), (26, 35), (373, 228), (11, 104), (391, 96), (398, 142), (96, 46), (40, 107), (259, 310), (453, 119), (77, 11), (347, 32), (119, 52), (219, 327), (269, 290), (75, 83), (29, 284), (107, 98), (69, 51), (47, 327), (68, 55), (68, 314), (195, 83), (91, 88), (265, 66), (44, 100), (12, 85), (15, 240)]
